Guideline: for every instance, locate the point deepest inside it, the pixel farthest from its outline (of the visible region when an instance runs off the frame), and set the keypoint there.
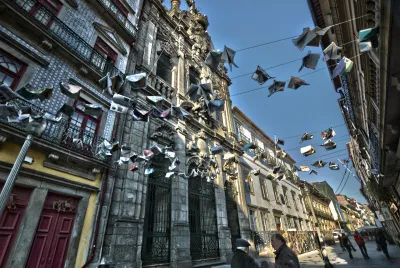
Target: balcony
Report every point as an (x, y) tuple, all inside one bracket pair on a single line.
[(62, 133), (128, 30), (162, 88), (346, 93), (374, 148), (49, 25)]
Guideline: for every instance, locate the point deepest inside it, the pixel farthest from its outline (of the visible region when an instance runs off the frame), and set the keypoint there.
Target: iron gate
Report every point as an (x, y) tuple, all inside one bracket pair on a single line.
[(232, 211), (202, 219), (156, 241)]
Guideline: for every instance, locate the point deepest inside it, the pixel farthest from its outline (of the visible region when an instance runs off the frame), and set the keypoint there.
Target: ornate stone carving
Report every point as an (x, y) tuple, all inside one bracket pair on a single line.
[(200, 162), (231, 167), (63, 205), (198, 24), (11, 203), (164, 134)]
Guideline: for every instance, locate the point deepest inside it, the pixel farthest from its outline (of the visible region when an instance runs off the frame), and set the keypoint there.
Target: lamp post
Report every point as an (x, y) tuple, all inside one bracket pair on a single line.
[(34, 127)]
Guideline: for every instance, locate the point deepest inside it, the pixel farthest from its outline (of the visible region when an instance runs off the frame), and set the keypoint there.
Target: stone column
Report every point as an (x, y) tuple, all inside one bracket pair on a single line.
[(180, 233), (26, 234), (180, 85), (244, 223), (224, 232)]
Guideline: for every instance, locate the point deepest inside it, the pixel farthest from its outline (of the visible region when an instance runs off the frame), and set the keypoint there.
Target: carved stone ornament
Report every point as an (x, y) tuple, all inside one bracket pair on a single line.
[(231, 168), (11, 203), (63, 205), (198, 31), (164, 135), (199, 161)]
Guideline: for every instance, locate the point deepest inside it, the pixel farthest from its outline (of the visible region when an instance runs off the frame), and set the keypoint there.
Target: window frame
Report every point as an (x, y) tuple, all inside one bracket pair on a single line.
[(165, 67), (16, 76), (253, 219), (86, 116)]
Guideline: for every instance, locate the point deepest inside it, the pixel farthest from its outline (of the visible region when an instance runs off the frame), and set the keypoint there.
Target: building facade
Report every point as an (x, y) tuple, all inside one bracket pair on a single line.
[(275, 202), (52, 214), (366, 93), (175, 220), (322, 211)]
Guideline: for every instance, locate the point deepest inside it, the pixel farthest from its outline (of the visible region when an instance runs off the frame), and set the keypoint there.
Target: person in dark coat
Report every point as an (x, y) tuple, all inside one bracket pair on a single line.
[(241, 258), (341, 241), (285, 257), (361, 244), (347, 244), (380, 240)]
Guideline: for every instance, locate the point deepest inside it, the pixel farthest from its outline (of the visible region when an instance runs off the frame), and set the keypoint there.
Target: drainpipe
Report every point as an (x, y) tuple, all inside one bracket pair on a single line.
[(96, 231)]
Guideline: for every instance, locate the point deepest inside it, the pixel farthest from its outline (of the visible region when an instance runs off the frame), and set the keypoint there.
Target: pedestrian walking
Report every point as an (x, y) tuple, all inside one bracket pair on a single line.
[(381, 243), (284, 256), (341, 241), (361, 244), (347, 244), (241, 258)]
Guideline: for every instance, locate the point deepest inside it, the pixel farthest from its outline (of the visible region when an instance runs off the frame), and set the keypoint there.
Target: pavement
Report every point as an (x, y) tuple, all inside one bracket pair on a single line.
[(340, 258)]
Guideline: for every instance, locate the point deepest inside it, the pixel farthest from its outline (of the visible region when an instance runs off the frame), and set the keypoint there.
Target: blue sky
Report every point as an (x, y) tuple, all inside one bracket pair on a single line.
[(240, 24)]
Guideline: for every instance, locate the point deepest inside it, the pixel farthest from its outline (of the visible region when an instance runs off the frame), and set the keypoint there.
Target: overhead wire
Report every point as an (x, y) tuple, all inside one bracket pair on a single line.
[(281, 64), (287, 38), (251, 90), (341, 181), (318, 131), (317, 144), (347, 179)]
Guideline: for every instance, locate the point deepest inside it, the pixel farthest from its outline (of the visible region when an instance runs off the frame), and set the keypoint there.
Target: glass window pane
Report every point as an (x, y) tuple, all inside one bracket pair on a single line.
[(8, 80)]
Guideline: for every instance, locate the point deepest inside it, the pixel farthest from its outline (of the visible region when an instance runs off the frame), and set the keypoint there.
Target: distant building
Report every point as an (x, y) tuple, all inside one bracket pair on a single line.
[(275, 202), (321, 210)]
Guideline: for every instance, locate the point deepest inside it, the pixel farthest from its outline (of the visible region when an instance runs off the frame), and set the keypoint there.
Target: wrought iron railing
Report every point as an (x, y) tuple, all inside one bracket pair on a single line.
[(49, 22), (120, 17), (374, 148), (347, 97), (62, 133)]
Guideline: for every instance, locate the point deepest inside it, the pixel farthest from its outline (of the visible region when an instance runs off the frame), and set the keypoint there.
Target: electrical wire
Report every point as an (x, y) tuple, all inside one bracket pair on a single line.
[(344, 185), (314, 132), (251, 90), (317, 144), (278, 65), (287, 38), (341, 181)]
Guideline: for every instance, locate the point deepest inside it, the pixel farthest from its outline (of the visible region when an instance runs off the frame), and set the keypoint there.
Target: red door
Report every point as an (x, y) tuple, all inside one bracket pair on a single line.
[(50, 245), (10, 220)]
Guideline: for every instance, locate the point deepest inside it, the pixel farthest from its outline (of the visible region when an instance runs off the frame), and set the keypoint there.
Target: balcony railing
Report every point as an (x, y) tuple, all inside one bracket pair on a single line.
[(374, 148), (120, 18), (49, 22), (347, 97), (163, 88), (62, 133)]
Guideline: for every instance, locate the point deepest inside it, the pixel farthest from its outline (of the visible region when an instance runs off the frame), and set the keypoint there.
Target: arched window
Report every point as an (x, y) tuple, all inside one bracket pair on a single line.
[(11, 69), (164, 68)]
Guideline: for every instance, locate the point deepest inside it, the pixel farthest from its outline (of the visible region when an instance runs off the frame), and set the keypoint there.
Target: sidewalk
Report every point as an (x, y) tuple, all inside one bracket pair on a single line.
[(340, 258)]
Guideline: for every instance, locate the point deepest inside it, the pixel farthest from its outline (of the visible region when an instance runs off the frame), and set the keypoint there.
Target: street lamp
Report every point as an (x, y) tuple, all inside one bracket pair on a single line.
[(34, 127)]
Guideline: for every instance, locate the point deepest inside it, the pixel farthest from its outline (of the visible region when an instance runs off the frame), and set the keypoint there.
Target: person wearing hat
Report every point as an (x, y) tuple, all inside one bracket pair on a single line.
[(241, 258)]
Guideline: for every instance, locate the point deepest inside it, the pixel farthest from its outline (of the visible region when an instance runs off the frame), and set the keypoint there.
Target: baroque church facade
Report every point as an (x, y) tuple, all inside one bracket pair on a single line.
[(176, 221)]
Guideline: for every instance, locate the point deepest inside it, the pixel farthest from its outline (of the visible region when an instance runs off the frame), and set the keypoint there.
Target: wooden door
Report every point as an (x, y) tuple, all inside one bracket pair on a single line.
[(50, 245), (10, 220)]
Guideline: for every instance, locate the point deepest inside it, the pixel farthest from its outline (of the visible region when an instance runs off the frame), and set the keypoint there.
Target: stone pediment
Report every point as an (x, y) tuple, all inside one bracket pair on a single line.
[(111, 36), (164, 135)]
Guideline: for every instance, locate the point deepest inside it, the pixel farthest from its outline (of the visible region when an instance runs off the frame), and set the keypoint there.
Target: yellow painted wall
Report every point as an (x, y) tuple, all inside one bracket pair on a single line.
[(83, 247), (9, 153)]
